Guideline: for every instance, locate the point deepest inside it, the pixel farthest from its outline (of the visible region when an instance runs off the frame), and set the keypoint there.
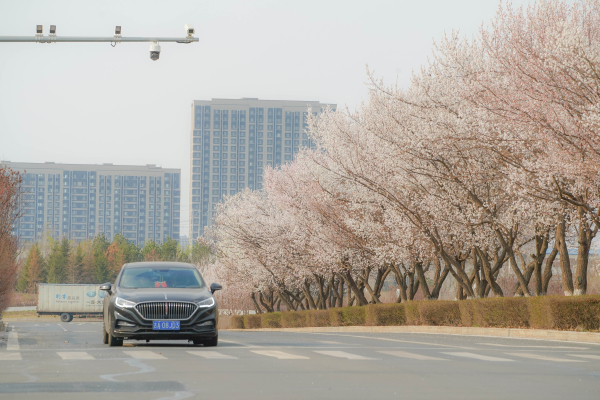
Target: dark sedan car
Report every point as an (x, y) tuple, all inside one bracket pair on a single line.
[(160, 301)]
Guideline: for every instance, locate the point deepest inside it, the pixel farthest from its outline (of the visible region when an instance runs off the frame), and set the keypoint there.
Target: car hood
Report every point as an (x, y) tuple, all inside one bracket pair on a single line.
[(164, 294)]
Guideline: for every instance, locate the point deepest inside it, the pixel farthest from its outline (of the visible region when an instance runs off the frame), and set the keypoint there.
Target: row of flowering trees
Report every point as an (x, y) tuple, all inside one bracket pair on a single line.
[(482, 167)]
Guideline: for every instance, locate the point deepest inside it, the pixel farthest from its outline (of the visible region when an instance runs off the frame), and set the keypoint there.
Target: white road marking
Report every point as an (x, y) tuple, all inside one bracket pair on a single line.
[(477, 356), (10, 356), (394, 340), (212, 355), (279, 354), (590, 356), (64, 329), (543, 358), (13, 340), (240, 343), (75, 355), (343, 354), (414, 356), (538, 347), (328, 342), (144, 355)]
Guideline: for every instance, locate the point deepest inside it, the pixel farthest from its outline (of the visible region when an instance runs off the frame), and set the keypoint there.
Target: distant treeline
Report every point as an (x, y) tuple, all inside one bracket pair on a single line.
[(96, 260)]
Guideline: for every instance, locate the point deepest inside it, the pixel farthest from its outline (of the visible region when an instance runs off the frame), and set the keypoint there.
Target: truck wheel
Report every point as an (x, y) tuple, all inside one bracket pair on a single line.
[(66, 317), (113, 341), (104, 336)]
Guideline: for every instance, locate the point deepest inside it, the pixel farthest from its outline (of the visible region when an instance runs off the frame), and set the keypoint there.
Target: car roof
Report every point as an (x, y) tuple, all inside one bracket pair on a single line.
[(164, 264)]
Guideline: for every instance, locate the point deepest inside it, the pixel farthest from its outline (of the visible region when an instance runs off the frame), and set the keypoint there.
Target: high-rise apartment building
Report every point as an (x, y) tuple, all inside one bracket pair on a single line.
[(232, 140), (79, 201)]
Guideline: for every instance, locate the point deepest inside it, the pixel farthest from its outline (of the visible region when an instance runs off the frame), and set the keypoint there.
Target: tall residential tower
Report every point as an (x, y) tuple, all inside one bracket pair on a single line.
[(79, 201), (232, 140)]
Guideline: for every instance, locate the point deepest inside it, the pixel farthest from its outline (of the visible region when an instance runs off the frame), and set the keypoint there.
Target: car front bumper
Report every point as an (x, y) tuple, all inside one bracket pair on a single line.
[(190, 328)]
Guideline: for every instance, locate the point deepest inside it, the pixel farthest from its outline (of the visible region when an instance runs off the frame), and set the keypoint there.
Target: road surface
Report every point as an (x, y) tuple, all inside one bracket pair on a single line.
[(51, 360)]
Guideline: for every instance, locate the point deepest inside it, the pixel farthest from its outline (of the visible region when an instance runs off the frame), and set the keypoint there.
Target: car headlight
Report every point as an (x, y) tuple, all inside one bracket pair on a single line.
[(206, 303), (124, 303)]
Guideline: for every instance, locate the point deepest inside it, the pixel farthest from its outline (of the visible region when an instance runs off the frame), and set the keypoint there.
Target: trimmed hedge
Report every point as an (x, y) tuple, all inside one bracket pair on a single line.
[(386, 314), (544, 312), (237, 322), (348, 316), (271, 320), (252, 321), (439, 312)]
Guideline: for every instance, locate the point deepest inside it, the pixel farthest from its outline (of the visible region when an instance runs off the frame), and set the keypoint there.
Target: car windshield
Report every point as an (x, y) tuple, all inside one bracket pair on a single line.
[(160, 277)]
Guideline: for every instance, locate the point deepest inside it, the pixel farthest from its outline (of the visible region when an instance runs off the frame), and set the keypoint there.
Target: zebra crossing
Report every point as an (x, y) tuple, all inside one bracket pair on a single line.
[(306, 354)]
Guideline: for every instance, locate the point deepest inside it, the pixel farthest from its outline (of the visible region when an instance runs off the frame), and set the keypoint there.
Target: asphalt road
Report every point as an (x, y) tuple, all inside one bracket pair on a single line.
[(68, 361)]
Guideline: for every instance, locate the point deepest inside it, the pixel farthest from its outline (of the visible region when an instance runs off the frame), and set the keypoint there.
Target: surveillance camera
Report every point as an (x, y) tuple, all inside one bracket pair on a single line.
[(189, 30), (154, 51)]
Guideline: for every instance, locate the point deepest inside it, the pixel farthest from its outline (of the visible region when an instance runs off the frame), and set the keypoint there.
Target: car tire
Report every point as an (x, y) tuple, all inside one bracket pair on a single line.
[(104, 336), (66, 317), (114, 341), (212, 342)]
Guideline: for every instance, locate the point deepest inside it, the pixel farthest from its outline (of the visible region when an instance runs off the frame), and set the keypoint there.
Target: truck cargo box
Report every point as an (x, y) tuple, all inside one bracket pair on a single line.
[(71, 299)]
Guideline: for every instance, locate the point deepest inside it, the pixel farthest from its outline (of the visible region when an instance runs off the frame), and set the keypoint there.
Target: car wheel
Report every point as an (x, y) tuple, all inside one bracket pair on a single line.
[(104, 336), (212, 342), (113, 341), (66, 317)]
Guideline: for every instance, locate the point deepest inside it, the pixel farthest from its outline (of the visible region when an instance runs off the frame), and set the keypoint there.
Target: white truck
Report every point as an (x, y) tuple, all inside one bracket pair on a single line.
[(69, 300)]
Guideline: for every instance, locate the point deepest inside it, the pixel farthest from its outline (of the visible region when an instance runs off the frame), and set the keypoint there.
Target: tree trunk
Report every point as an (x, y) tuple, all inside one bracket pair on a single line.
[(489, 275), (256, 306), (421, 278), (586, 235), (401, 282), (358, 293), (508, 246), (440, 277), (565, 262), (548, 270)]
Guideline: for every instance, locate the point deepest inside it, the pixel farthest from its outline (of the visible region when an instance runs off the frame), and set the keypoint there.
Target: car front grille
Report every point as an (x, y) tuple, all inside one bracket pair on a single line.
[(171, 310)]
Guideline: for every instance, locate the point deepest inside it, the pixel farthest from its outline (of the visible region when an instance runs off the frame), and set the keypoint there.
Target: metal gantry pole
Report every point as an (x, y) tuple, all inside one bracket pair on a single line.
[(78, 39), (116, 39)]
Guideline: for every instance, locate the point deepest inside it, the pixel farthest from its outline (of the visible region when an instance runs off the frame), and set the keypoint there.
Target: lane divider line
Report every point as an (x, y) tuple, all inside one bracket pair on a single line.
[(542, 357), (477, 356), (343, 354), (279, 354), (414, 356)]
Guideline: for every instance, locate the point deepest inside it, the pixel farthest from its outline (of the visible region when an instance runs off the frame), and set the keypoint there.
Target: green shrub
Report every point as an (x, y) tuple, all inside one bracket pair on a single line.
[(411, 312), (271, 320), (502, 312), (467, 312), (565, 313), (295, 319), (539, 313), (544, 312), (348, 316), (385, 314), (439, 312), (319, 318), (237, 322), (252, 321)]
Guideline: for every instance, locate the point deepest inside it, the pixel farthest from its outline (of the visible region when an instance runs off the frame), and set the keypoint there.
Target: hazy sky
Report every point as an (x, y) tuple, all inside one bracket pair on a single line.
[(92, 103)]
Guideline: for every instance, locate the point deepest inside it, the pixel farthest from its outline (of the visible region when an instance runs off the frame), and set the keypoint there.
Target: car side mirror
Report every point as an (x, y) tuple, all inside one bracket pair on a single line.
[(106, 287), (214, 287)]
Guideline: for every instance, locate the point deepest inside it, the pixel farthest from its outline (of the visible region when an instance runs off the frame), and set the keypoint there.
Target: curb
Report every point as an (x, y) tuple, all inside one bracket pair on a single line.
[(569, 336)]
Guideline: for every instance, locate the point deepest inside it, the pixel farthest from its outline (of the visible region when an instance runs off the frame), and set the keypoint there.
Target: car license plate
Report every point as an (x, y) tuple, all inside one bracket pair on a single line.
[(165, 325)]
